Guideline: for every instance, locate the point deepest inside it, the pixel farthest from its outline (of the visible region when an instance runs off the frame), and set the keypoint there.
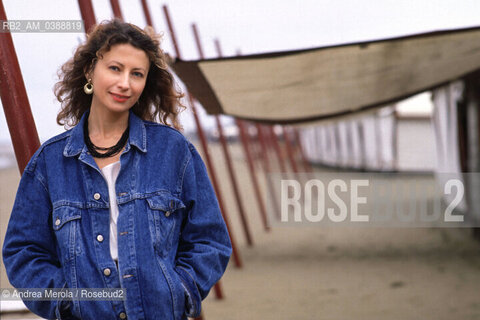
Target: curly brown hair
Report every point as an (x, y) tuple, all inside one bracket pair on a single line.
[(160, 98)]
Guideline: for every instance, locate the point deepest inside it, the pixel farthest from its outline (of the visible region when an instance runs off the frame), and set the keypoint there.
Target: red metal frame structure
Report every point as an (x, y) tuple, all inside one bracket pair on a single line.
[(295, 143), (226, 154), (273, 139), (218, 290), (88, 15), (146, 12), (15, 101), (267, 169), (117, 12), (288, 145), (263, 147), (253, 175), (252, 135), (306, 164), (203, 141)]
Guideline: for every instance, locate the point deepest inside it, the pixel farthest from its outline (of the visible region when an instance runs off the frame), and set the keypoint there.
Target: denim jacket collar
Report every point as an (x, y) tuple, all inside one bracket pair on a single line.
[(137, 136)]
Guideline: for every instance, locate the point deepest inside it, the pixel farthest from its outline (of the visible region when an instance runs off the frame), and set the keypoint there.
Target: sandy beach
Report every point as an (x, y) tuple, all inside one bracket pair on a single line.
[(314, 272)]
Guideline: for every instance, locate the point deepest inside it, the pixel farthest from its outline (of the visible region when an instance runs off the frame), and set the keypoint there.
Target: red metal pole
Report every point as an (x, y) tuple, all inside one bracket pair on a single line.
[(288, 146), (251, 166), (170, 25), (254, 141), (276, 147), (203, 142), (211, 169), (15, 101), (269, 142), (255, 147), (236, 189), (267, 169), (263, 148), (88, 15), (295, 144), (305, 162), (253, 175), (117, 12), (146, 12), (226, 153)]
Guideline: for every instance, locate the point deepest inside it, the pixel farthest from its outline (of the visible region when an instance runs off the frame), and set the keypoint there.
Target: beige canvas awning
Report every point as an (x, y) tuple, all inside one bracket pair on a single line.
[(307, 85)]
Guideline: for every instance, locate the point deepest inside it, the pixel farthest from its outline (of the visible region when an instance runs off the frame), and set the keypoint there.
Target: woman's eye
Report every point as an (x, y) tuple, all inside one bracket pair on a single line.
[(138, 74), (114, 68)]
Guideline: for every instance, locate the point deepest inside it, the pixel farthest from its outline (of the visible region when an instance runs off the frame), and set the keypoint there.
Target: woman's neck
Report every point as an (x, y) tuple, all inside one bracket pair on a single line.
[(105, 125)]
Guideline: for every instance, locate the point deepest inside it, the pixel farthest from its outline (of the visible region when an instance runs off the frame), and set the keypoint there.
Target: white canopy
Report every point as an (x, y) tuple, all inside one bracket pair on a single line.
[(306, 85)]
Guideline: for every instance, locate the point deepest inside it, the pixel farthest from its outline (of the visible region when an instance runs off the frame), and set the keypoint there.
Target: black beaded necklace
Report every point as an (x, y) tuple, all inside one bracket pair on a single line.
[(110, 151)]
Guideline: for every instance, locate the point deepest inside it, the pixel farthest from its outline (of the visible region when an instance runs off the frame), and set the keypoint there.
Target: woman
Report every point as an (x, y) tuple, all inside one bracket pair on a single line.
[(119, 201)]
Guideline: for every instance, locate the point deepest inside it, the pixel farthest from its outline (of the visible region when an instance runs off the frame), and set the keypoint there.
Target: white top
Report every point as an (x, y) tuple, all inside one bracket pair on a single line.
[(110, 173)]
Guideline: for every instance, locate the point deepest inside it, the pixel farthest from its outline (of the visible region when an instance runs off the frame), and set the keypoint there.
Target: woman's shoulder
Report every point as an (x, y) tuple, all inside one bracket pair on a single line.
[(55, 144), (58, 138), (156, 130), (166, 137)]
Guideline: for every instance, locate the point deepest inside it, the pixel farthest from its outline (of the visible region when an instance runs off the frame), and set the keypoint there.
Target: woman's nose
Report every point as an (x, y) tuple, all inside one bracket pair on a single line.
[(124, 81)]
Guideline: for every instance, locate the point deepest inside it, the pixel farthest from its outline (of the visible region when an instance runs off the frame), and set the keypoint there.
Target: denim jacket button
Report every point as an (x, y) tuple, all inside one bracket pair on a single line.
[(57, 222), (122, 315), (96, 196), (99, 238), (107, 271), (167, 214)]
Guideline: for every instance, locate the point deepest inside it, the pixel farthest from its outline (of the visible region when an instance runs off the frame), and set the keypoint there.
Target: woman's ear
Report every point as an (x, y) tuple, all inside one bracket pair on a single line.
[(87, 74), (88, 69)]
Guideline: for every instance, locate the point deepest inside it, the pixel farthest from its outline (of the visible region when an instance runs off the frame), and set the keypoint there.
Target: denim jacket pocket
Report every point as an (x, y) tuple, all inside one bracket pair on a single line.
[(66, 224), (163, 217)]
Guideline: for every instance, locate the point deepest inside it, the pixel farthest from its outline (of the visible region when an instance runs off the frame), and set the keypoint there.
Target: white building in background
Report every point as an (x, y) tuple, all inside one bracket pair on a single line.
[(394, 138)]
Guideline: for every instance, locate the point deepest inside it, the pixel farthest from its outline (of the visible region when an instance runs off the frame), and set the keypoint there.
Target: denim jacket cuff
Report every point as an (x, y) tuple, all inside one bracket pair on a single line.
[(193, 300)]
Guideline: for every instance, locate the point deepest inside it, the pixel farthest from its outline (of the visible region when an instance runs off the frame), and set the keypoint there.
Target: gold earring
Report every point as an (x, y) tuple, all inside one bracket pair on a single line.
[(88, 87)]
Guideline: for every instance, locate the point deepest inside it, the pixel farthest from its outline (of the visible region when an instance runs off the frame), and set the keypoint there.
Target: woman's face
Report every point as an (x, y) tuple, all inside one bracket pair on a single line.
[(119, 78)]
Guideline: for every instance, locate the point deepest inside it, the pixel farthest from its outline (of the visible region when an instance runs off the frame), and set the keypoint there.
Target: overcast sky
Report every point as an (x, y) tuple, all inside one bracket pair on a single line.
[(247, 25)]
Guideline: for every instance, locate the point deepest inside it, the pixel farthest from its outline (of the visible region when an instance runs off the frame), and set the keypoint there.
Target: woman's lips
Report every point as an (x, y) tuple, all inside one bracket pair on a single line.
[(119, 97)]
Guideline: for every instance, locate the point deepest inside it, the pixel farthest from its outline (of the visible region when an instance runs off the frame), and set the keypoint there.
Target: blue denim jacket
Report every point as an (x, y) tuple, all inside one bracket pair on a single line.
[(173, 245)]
